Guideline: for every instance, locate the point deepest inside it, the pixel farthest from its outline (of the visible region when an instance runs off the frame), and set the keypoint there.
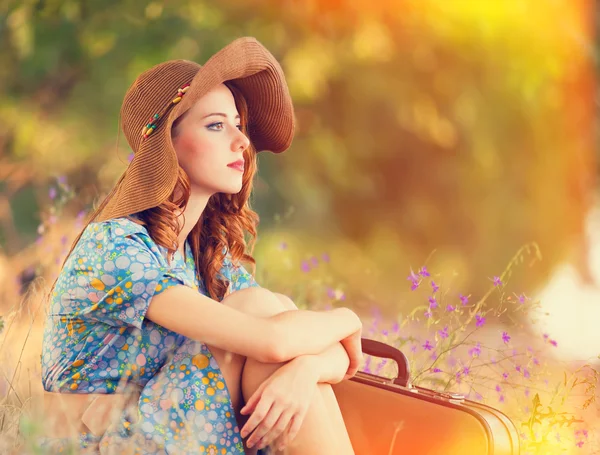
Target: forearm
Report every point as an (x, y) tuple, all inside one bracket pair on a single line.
[(331, 365), (304, 332)]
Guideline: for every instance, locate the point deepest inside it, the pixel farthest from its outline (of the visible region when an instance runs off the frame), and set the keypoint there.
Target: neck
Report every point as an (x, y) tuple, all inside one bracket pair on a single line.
[(193, 213)]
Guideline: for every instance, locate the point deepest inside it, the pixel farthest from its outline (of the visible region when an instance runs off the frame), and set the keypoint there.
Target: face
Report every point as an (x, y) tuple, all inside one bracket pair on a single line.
[(210, 145)]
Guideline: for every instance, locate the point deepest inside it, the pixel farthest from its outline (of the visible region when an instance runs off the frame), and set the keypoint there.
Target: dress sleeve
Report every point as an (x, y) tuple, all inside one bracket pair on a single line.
[(239, 278), (113, 275)]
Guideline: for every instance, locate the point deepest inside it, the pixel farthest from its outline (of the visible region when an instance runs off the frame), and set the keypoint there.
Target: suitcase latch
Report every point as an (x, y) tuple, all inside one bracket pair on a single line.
[(452, 397)]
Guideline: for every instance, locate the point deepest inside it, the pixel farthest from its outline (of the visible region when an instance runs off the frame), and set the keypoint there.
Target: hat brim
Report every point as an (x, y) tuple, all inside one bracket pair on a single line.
[(257, 74)]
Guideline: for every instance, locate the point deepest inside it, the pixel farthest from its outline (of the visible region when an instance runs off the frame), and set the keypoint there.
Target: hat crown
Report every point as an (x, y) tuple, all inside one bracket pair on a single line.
[(154, 89)]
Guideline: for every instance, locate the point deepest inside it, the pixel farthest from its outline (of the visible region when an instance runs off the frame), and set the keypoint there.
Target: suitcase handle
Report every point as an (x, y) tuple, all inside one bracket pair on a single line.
[(385, 351)]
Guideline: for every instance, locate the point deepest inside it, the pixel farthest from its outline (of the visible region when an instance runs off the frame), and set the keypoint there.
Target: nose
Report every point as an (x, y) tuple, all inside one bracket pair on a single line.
[(241, 142)]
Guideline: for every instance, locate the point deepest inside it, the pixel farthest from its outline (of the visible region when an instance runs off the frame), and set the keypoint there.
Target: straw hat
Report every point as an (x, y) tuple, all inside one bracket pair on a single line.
[(165, 92)]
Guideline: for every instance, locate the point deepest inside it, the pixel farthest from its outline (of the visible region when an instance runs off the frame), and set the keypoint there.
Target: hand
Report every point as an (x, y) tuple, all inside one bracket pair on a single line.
[(280, 404), (353, 347)]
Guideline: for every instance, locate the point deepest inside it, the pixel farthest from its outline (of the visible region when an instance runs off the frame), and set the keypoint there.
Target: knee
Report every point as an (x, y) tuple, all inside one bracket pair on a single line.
[(286, 301), (256, 301)]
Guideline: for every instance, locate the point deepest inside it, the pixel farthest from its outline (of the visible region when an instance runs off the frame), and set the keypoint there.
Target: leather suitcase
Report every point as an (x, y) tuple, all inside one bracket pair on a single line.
[(392, 417)]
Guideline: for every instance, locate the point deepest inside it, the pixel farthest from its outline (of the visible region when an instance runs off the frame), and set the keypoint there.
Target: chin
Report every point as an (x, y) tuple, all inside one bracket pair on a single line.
[(233, 189)]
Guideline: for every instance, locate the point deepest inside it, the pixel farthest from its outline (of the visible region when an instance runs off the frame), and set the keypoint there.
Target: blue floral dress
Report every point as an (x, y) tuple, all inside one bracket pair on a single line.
[(97, 338)]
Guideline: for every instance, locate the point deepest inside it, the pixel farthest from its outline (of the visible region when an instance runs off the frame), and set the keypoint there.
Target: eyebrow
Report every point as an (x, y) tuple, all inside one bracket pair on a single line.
[(220, 114)]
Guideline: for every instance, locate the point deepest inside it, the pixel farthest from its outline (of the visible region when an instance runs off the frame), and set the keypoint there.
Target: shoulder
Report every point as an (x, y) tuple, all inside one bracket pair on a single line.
[(115, 228), (118, 236)]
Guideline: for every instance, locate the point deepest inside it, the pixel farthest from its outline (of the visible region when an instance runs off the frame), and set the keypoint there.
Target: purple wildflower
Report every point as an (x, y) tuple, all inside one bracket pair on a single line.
[(305, 266), (505, 375), (64, 239), (444, 333), (518, 368), (434, 287), (414, 279), (553, 343), (130, 157), (330, 293), (526, 373), (478, 397), (62, 179), (466, 370), (463, 299), (427, 346), (325, 257), (505, 337), (498, 388), (522, 298), (501, 398), (497, 281), (423, 272), (536, 361), (413, 276), (545, 336), (52, 193), (437, 370), (314, 261), (283, 246), (432, 302), (475, 351), (480, 320), (367, 367), (428, 314), (395, 328), (450, 308)]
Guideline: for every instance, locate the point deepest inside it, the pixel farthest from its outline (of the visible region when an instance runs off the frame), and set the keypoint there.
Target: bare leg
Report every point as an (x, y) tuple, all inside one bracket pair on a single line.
[(323, 430)]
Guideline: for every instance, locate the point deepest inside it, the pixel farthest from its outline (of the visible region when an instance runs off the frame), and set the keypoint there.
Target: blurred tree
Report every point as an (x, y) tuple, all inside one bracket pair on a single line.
[(460, 126)]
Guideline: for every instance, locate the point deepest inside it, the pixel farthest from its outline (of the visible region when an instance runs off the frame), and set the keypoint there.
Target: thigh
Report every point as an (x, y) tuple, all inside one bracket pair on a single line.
[(258, 302)]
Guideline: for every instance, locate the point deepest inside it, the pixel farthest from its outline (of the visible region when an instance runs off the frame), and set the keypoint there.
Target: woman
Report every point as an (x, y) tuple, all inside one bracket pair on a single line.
[(138, 354)]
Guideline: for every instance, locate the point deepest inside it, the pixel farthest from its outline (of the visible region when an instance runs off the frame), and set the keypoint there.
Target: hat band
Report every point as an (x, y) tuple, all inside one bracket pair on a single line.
[(153, 122)]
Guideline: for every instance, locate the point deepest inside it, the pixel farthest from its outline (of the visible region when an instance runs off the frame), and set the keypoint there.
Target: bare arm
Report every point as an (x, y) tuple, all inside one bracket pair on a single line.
[(305, 332), (276, 339), (331, 364)]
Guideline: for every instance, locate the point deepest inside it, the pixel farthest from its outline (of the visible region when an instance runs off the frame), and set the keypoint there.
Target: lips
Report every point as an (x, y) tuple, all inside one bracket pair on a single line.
[(239, 165)]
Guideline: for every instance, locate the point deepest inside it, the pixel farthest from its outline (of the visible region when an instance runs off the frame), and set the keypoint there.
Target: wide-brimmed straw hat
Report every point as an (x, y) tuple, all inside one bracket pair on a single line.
[(166, 91)]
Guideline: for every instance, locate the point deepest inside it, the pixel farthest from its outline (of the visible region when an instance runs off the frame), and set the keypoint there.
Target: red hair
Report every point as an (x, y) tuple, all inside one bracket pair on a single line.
[(221, 228)]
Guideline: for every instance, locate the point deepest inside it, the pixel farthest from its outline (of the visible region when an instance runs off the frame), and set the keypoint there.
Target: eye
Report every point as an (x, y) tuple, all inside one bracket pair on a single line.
[(220, 125), (212, 125)]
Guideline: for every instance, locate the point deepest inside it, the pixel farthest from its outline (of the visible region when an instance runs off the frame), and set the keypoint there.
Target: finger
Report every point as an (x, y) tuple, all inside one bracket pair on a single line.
[(262, 409), (295, 425), (278, 429), (267, 423), (253, 400)]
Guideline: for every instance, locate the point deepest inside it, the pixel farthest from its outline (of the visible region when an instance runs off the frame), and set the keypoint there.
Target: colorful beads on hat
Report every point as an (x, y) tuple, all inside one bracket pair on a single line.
[(180, 92), (151, 126)]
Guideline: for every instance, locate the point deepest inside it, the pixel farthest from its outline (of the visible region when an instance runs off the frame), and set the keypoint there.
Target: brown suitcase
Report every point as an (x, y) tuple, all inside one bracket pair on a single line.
[(392, 417)]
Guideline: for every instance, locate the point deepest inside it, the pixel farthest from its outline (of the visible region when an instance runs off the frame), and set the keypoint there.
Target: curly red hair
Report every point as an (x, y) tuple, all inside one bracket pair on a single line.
[(221, 228)]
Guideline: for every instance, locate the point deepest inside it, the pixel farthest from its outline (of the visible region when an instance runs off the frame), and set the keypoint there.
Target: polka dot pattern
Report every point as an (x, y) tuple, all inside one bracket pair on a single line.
[(97, 339)]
